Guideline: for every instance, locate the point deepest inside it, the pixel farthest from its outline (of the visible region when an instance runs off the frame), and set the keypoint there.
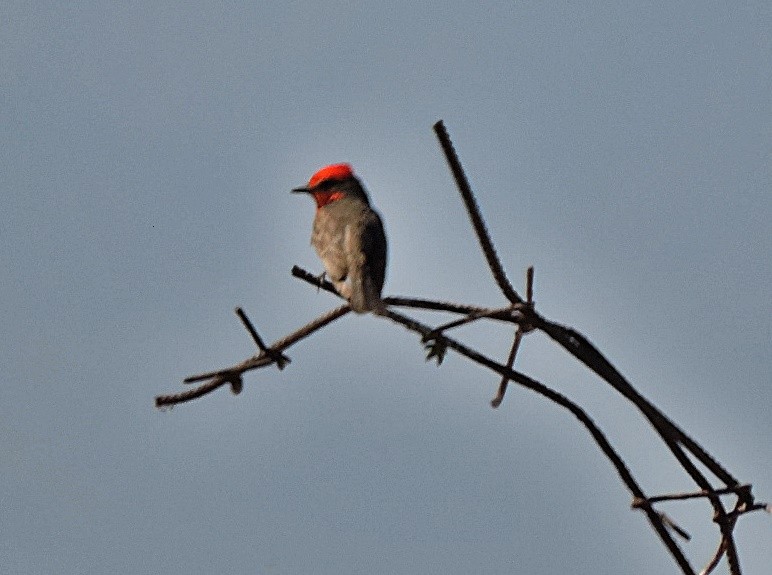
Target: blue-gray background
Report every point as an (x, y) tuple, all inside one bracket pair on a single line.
[(147, 151)]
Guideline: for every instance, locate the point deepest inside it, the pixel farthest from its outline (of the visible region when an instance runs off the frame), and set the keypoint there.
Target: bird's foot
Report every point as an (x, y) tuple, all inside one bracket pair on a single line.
[(320, 279)]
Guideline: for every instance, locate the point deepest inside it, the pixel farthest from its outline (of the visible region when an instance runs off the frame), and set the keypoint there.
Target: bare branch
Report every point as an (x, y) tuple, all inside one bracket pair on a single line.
[(581, 348), (264, 358), (578, 412), (474, 214), (524, 316)]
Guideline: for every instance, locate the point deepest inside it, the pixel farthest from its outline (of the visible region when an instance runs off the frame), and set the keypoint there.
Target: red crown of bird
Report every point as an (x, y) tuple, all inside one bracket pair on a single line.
[(331, 172)]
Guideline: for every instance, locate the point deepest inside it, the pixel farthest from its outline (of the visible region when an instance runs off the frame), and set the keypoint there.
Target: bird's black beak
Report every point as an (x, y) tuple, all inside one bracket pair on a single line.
[(301, 190)]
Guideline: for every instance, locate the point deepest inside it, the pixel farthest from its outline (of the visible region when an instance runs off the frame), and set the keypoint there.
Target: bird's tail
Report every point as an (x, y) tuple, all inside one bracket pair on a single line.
[(365, 295)]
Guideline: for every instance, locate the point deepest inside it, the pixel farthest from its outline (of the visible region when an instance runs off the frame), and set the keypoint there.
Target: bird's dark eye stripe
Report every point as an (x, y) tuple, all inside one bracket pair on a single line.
[(327, 184)]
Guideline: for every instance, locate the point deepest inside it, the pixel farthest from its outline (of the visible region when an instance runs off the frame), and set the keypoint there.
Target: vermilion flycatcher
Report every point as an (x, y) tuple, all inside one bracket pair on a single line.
[(348, 236)]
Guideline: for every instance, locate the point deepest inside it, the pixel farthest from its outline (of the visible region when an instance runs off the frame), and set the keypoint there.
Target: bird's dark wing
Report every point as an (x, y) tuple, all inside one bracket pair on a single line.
[(374, 248)]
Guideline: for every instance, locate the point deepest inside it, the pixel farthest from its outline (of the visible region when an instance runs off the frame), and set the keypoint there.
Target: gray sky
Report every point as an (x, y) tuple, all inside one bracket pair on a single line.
[(147, 152)]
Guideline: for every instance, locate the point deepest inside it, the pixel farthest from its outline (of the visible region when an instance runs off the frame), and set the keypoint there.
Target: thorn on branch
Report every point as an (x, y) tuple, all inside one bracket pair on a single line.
[(237, 383)]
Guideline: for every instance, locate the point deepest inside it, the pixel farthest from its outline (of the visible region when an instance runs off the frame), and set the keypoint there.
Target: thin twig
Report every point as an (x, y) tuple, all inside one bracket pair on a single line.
[(693, 495), (726, 544), (714, 561), (496, 401), (521, 330), (279, 358), (471, 318), (510, 314)]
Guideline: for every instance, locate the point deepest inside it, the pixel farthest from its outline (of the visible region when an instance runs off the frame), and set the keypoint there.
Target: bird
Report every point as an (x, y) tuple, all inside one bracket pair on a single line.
[(348, 236)]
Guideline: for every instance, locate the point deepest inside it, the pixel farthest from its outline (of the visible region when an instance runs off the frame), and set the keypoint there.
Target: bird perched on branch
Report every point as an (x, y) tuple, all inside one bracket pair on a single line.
[(348, 236)]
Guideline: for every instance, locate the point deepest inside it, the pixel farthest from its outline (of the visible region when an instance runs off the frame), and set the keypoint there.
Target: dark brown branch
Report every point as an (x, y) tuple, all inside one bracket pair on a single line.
[(714, 561), (671, 434), (578, 412), (727, 524), (474, 214), (509, 314), (726, 544), (658, 420), (581, 348), (585, 353), (314, 280), (264, 358)]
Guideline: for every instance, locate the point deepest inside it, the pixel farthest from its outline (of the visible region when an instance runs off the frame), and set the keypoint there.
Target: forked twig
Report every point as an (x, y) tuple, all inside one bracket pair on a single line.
[(277, 356), (266, 357)]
